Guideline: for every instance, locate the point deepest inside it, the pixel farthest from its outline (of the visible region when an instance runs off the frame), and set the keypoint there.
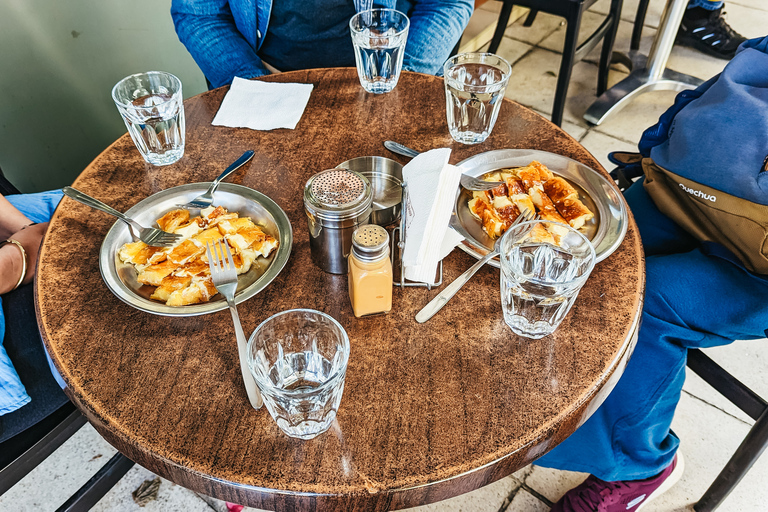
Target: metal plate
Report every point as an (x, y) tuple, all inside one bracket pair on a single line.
[(606, 230), (120, 277)]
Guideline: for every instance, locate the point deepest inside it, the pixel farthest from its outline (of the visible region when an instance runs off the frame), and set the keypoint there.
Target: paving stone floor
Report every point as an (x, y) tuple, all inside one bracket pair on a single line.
[(710, 428)]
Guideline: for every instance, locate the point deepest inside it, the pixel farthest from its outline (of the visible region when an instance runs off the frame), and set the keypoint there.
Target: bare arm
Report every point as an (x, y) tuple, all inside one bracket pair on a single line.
[(11, 219)]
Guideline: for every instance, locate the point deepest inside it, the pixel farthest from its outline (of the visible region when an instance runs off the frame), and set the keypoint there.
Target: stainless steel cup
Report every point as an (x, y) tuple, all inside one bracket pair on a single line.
[(386, 177), (337, 202)]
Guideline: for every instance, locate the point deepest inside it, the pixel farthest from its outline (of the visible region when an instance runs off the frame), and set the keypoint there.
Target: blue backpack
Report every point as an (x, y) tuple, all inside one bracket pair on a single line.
[(706, 160)]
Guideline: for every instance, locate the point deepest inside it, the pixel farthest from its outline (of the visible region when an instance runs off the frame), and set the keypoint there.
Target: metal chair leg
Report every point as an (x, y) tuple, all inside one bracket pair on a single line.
[(637, 30), (501, 26), (95, 488), (608, 40), (566, 64), (748, 452)]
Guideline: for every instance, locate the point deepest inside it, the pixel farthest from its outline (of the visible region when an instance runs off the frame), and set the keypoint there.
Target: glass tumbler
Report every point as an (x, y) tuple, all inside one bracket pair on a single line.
[(540, 281), (378, 37), (298, 359), (474, 90), (153, 110)]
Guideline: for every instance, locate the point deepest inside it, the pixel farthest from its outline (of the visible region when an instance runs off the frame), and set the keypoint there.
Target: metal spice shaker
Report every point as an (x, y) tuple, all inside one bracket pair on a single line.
[(337, 202)]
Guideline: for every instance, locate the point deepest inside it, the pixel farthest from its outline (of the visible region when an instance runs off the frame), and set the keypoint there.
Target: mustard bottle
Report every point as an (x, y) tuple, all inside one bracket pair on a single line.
[(370, 271)]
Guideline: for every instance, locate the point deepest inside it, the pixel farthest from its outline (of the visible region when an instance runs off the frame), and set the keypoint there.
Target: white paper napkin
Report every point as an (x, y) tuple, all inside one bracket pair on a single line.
[(431, 187), (262, 105)]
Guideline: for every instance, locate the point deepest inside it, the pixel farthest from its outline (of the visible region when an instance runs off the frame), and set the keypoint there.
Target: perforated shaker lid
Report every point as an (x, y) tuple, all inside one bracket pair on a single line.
[(337, 194), (370, 242)]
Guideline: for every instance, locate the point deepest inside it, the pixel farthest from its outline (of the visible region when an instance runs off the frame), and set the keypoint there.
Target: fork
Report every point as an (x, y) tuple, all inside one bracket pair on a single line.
[(442, 298), (205, 200), (467, 181), (224, 277), (150, 236)]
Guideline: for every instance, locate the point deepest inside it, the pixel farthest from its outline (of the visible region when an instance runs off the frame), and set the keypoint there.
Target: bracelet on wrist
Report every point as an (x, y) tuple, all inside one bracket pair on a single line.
[(23, 260)]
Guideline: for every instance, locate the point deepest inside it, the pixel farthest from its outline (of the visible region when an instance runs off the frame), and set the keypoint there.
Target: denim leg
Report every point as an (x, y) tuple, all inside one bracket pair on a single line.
[(628, 437), (711, 5)]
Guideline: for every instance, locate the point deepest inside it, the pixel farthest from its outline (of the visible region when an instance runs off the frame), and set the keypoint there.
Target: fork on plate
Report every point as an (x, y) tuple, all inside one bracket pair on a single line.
[(442, 298), (467, 181), (205, 200), (224, 275), (150, 236)]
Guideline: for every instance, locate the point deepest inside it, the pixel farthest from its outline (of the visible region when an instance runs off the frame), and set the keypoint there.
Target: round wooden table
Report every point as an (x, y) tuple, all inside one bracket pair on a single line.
[(429, 411)]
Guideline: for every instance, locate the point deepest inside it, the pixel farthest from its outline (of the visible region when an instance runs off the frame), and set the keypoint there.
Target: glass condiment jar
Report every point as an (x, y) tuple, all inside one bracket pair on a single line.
[(370, 271)]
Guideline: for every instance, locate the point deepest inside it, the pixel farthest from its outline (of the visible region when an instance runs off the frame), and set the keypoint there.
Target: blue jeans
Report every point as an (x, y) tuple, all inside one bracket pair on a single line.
[(711, 5), (629, 437)]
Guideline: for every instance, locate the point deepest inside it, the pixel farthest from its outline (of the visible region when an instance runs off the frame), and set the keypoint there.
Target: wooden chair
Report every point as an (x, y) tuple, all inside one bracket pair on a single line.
[(22, 452), (731, 388), (572, 11)]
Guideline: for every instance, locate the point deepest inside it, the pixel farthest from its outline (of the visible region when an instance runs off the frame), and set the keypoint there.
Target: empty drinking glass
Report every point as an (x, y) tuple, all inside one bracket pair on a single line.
[(474, 90), (540, 280), (152, 107), (378, 37), (298, 359)]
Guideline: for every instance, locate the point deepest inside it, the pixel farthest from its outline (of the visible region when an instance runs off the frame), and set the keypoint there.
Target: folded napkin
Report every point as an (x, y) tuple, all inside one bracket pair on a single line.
[(431, 187), (262, 105)]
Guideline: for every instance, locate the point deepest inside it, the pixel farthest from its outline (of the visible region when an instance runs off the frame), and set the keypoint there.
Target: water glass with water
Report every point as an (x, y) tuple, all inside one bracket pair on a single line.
[(298, 359), (540, 281), (152, 107), (474, 90), (378, 37)]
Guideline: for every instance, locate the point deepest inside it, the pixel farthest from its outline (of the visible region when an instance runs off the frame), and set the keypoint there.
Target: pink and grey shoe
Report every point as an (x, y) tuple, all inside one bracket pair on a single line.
[(595, 495)]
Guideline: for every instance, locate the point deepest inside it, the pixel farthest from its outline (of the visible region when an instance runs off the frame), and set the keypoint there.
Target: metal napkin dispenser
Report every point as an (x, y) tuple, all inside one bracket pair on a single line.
[(337, 202)]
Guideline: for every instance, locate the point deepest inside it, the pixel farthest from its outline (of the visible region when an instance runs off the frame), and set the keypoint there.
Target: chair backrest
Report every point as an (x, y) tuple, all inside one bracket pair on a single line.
[(6, 187)]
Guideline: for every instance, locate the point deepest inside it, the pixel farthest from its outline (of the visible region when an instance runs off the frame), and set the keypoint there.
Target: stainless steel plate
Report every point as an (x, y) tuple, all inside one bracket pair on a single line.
[(121, 277), (606, 230)]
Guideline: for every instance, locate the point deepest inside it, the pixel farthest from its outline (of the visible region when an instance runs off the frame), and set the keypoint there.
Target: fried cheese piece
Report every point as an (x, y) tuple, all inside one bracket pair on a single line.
[(140, 254), (168, 285), (200, 289), (559, 190), (574, 211), (547, 211), (534, 174), (216, 215), (540, 235), (173, 219), (154, 274)]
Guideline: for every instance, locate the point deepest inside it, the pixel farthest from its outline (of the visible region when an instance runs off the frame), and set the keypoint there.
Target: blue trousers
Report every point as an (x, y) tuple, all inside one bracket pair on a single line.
[(692, 300)]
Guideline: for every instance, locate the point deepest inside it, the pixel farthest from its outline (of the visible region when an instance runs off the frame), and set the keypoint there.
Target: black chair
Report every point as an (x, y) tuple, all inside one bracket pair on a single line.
[(34, 442), (637, 29), (572, 11), (753, 444), (727, 385)]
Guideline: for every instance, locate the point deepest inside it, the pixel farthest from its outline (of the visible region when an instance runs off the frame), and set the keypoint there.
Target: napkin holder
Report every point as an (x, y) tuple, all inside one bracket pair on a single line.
[(397, 248)]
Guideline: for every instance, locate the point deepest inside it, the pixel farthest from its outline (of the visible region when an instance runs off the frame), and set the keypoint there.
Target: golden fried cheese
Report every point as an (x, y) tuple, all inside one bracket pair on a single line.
[(180, 273), (535, 188)]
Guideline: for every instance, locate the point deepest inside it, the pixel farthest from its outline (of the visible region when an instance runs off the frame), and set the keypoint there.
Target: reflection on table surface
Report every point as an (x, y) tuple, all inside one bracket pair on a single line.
[(429, 410)]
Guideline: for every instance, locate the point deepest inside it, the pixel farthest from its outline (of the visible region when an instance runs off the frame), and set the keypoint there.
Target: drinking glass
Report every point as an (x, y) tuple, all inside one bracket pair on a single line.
[(298, 359), (378, 37), (474, 90), (540, 281), (152, 107)]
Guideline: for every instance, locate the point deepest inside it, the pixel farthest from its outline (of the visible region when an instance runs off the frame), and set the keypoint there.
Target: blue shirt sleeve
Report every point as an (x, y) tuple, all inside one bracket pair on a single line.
[(211, 34), (38, 208), (436, 27)]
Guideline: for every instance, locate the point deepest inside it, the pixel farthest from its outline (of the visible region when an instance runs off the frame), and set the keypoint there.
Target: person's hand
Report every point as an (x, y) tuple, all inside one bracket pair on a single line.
[(30, 238)]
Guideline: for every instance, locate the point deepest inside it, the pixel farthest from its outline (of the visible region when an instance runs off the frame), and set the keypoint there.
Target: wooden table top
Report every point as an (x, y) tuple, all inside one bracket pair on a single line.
[(429, 411)]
